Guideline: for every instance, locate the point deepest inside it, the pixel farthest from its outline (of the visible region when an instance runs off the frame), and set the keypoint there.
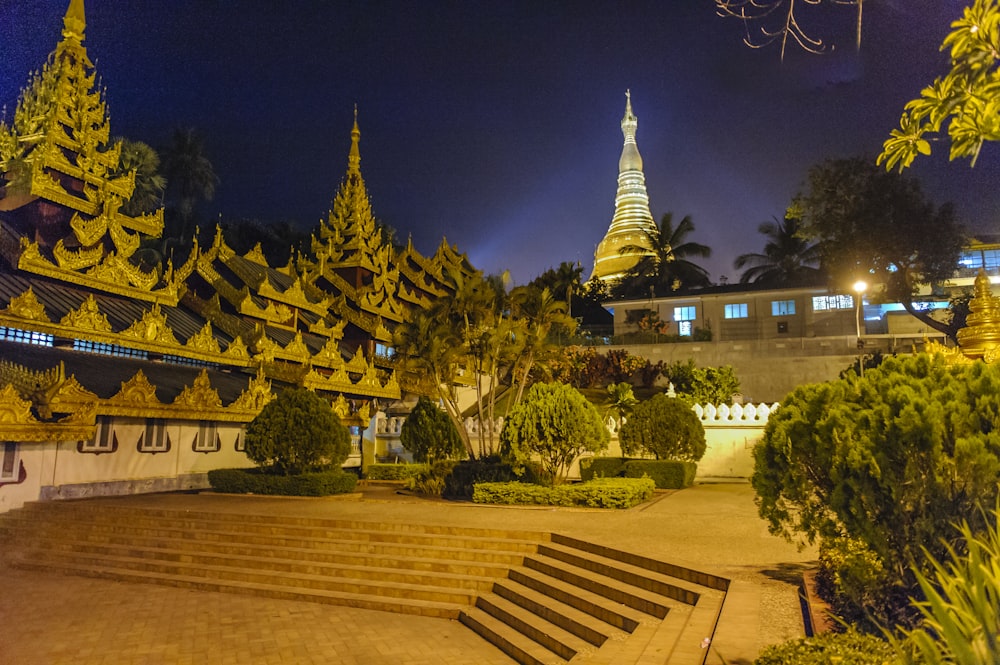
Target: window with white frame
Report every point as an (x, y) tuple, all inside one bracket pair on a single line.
[(782, 307), (154, 438), (736, 311), (207, 440), (824, 303), (684, 316), (10, 466), (105, 440)]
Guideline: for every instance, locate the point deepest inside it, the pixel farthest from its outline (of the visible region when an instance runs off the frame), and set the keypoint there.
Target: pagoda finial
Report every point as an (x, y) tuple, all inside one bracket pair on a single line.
[(629, 123), (354, 158), (75, 21)]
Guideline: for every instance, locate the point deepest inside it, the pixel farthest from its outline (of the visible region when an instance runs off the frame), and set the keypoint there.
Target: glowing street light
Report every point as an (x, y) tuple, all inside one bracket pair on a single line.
[(860, 287)]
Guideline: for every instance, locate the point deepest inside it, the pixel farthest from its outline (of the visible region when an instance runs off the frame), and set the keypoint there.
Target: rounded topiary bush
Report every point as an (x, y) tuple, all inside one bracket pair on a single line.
[(664, 427), (429, 434), (296, 433)]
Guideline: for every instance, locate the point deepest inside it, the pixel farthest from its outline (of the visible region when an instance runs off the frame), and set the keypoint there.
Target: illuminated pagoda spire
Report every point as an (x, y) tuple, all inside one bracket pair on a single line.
[(62, 186), (632, 221)]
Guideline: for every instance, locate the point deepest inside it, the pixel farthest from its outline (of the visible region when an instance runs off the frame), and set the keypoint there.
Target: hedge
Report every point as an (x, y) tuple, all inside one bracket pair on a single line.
[(849, 648), (667, 474), (394, 471), (253, 481), (467, 474), (598, 493)]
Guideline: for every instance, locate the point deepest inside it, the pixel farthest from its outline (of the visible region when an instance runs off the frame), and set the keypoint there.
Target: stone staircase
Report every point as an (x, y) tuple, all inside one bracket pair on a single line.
[(541, 598)]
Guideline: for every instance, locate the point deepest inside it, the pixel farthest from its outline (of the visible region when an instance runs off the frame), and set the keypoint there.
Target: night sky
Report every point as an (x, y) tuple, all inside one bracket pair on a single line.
[(496, 123)]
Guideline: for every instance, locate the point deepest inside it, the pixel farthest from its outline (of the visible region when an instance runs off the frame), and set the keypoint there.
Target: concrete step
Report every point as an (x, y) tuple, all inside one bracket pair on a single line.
[(585, 626), (559, 641), (400, 605), (521, 648)]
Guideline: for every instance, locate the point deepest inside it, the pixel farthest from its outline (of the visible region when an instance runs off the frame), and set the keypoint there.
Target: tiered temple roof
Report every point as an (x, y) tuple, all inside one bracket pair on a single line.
[(203, 340)]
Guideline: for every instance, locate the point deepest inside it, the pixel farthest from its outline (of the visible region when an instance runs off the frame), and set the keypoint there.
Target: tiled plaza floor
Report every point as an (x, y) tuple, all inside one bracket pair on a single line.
[(50, 619)]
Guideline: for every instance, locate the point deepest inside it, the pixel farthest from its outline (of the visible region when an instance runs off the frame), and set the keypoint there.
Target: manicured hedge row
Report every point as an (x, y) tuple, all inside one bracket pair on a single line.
[(667, 474), (394, 471), (850, 648), (467, 474), (597, 493), (252, 481)]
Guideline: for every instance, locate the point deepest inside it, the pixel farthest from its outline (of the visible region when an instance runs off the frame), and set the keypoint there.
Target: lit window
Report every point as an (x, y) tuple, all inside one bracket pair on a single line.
[(782, 307), (383, 350), (207, 440), (154, 438), (991, 260), (684, 328), (684, 313), (87, 346), (736, 311), (823, 303), (25, 336)]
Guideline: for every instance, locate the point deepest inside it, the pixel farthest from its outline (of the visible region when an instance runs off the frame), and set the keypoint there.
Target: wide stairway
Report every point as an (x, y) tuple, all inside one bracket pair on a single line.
[(541, 598)]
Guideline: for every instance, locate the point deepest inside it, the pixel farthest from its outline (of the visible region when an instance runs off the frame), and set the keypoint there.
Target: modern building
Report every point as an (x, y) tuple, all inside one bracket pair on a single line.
[(632, 221)]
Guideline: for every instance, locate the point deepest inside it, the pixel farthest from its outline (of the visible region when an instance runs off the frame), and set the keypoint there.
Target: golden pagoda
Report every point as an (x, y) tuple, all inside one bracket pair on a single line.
[(632, 221), (980, 338)]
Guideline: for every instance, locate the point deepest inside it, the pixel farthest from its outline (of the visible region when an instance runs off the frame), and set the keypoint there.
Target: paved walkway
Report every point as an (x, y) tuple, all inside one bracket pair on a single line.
[(51, 619)]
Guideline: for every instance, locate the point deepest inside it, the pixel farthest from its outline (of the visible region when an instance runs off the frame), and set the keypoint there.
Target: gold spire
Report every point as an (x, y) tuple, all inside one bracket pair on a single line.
[(632, 221), (354, 158), (980, 338), (75, 21)]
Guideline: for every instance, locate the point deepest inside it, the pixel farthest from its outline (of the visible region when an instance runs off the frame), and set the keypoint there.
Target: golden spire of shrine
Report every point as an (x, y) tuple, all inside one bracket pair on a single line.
[(980, 338), (354, 157), (65, 181), (632, 222)]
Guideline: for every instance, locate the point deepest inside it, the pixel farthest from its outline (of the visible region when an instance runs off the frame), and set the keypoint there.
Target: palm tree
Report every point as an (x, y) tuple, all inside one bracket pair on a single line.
[(667, 269), (788, 259), (540, 314), (149, 183), (190, 179)]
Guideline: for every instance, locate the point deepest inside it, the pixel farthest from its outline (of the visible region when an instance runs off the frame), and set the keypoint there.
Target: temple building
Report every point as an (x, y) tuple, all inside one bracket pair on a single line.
[(632, 221), (119, 379)]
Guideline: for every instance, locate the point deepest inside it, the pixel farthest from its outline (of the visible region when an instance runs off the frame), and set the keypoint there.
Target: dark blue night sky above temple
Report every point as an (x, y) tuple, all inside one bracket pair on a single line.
[(496, 124)]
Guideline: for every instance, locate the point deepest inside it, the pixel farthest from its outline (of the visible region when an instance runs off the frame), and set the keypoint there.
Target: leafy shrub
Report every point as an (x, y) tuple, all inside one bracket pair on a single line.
[(665, 427), (466, 474), (556, 423), (848, 648), (853, 579), (666, 474), (296, 433), (703, 385), (891, 460), (429, 434), (394, 471), (256, 481), (431, 482), (597, 493), (601, 467)]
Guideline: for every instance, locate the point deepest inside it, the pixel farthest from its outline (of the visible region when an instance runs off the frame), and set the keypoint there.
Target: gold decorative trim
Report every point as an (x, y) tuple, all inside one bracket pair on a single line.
[(152, 328), (201, 396), (27, 306), (13, 409), (87, 316), (204, 341), (256, 255), (257, 395)]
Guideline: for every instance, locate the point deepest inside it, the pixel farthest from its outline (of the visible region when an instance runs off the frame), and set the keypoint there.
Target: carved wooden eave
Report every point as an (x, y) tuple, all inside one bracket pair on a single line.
[(199, 401), (256, 255), (152, 333), (110, 275), (294, 296), (323, 329), (17, 423)]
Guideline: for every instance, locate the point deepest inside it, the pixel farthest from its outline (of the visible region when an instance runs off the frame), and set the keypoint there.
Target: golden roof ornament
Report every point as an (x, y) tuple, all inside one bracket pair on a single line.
[(980, 338)]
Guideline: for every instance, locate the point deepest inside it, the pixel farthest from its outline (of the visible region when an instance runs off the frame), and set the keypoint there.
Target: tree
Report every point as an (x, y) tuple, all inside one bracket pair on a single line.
[(563, 282), (667, 269), (964, 104), (296, 433), (778, 22), (880, 227), (541, 316), (879, 468), (190, 179), (429, 434), (703, 385), (149, 183), (621, 400), (664, 427), (556, 423), (789, 258)]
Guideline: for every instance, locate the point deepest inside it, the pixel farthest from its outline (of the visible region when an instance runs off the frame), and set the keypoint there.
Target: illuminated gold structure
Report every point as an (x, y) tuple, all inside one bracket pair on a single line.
[(143, 381), (632, 222), (980, 338)]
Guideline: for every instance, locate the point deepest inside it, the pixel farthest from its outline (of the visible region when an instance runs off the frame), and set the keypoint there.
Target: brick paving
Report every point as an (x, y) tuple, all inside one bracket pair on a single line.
[(49, 619)]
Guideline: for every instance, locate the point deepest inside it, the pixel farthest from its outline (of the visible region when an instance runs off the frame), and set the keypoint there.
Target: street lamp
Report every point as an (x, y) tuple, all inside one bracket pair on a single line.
[(860, 287)]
